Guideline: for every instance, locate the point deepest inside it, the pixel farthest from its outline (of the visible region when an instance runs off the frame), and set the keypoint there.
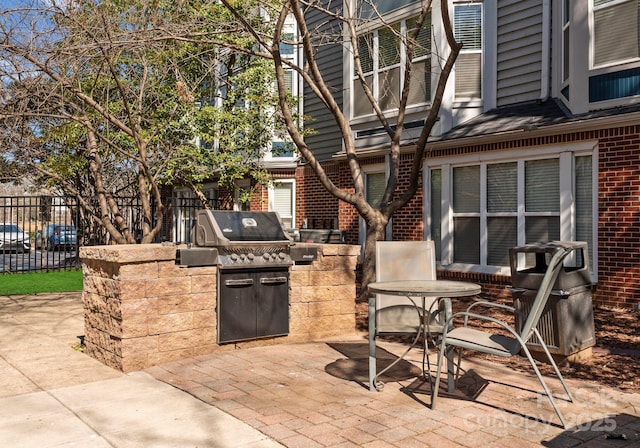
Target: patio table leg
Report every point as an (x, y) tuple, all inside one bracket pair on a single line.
[(451, 382), (372, 343)]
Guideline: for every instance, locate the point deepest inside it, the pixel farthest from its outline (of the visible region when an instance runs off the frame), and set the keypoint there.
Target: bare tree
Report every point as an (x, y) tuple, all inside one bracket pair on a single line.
[(307, 11)]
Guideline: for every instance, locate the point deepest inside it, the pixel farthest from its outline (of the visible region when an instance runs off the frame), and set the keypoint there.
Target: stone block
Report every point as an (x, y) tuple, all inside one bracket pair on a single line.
[(170, 356), (179, 340), (128, 253), (180, 303), (138, 271), (329, 250), (336, 277), (169, 268), (203, 301), (170, 323), (300, 278), (133, 289), (204, 283), (136, 346), (134, 326), (333, 308), (134, 363), (167, 286), (204, 318), (147, 306), (298, 311)]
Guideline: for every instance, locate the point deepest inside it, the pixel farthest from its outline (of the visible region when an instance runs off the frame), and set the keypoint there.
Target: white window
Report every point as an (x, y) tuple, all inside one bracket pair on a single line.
[(616, 36), (477, 211), (382, 53), (282, 200), (468, 67)]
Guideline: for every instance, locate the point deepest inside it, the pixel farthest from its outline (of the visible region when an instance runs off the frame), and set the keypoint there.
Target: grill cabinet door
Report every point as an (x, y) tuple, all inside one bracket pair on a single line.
[(236, 306), (252, 303), (272, 290)]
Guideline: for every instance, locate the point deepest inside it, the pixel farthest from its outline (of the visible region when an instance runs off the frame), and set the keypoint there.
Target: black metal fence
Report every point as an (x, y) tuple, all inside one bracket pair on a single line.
[(44, 232)]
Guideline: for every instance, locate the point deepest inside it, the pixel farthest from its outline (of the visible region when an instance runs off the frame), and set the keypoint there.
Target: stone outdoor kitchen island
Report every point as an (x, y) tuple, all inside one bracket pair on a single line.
[(143, 309)]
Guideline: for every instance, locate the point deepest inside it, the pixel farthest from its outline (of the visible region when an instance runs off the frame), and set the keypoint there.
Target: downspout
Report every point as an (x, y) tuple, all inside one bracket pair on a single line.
[(546, 46)]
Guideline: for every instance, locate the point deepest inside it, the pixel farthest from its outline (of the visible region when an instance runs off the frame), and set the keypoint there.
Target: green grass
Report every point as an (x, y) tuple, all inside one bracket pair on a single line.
[(40, 282)]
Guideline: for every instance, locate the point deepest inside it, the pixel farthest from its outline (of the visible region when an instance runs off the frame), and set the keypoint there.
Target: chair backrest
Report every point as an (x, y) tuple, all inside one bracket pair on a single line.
[(401, 260), (544, 291)]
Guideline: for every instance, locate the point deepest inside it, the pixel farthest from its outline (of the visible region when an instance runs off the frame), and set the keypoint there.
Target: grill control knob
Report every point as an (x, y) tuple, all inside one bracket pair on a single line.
[(282, 255), (267, 257), (250, 256), (234, 257), (243, 257)]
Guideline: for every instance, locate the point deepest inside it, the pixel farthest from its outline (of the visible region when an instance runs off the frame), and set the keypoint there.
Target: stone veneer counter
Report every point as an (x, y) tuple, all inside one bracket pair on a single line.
[(142, 309)]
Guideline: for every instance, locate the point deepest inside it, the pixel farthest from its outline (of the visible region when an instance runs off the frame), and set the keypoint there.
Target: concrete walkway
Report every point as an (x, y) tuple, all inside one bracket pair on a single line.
[(54, 396), (298, 395)]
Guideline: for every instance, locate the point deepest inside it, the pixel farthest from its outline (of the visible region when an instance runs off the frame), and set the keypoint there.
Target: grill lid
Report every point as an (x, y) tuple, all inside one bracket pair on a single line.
[(228, 228)]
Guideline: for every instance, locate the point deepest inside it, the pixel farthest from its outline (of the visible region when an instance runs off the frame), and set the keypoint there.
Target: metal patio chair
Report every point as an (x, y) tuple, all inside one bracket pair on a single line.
[(464, 337), (409, 260)]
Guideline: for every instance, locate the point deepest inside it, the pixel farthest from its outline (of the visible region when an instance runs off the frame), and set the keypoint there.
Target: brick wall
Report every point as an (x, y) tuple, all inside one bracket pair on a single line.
[(141, 309), (618, 207)]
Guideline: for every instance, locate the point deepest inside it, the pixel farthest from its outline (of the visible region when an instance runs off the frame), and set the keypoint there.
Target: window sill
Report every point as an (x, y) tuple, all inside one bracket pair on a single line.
[(476, 269)]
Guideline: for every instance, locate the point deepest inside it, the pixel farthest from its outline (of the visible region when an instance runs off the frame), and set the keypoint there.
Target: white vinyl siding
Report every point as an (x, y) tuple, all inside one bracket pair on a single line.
[(519, 51)]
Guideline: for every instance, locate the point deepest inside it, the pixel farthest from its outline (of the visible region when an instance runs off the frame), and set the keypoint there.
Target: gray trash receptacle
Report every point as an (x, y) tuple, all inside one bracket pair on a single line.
[(566, 325)]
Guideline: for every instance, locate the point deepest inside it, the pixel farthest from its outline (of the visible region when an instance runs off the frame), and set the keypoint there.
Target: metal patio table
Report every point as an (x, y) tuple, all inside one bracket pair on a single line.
[(409, 289)]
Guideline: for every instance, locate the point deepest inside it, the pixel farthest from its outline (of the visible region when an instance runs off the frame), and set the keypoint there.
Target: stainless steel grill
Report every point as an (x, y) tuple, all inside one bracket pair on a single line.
[(252, 253), (244, 239)]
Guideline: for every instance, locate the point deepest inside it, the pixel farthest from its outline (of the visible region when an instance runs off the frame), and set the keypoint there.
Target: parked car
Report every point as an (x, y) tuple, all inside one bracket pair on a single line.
[(13, 239), (57, 236)]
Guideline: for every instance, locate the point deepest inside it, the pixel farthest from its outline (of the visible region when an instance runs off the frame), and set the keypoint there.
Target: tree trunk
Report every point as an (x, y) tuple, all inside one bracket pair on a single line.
[(375, 232)]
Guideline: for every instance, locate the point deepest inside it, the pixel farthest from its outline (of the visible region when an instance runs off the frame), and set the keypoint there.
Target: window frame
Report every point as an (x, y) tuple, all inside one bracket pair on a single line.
[(379, 168), (378, 71), (474, 51), (291, 183), (593, 9), (567, 215)]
